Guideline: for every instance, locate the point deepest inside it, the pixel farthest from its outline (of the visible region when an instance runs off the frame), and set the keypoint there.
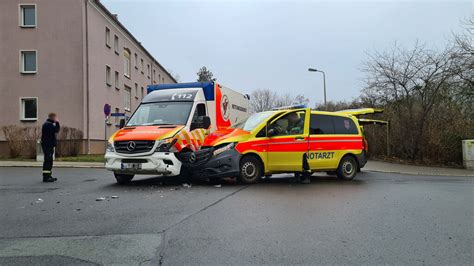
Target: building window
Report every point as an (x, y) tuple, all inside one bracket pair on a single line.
[(148, 70), (108, 74), (159, 78), (107, 37), (126, 63), (141, 60), (136, 61), (29, 109), (117, 80), (127, 98), (154, 76), (28, 16), (143, 93), (28, 62), (163, 80), (116, 44), (136, 90)]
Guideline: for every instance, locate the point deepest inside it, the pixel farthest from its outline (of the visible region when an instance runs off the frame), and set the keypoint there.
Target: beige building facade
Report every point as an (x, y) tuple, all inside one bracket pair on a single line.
[(70, 57)]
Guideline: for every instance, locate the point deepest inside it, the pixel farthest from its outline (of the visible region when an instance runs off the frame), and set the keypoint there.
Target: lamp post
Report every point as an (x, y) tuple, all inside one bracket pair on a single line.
[(324, 80)]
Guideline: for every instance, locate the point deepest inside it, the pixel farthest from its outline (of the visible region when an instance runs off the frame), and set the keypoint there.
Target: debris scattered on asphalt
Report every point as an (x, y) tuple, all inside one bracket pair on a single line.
[(78, 209), (114, 197), (161, 196), (186, 185), (100, 199), (219, 185), (57, 202), (39, 200)]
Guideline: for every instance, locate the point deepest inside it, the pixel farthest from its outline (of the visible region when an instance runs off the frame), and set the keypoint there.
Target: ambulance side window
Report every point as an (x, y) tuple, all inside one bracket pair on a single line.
[(198, 113), (321, 124)]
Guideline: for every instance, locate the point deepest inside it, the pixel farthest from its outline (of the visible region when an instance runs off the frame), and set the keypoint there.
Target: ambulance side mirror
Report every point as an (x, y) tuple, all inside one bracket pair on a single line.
[(122, 123)]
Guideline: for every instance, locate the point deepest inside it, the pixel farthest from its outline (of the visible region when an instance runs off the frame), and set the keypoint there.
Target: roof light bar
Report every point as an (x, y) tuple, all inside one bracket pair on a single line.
[(298, 106)]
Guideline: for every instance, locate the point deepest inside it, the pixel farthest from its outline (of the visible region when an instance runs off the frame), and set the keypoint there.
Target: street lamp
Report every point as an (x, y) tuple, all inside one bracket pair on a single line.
[(324, 80)]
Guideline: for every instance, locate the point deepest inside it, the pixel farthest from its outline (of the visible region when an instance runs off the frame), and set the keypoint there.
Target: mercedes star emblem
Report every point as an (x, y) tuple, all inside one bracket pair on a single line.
[(131, 145)]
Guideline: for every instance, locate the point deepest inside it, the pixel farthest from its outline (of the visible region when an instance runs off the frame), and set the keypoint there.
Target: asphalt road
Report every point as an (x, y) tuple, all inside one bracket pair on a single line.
[(377, 218)]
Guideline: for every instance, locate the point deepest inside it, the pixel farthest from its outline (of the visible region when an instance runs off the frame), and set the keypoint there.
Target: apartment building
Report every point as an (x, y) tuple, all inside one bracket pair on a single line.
[(70, 57)]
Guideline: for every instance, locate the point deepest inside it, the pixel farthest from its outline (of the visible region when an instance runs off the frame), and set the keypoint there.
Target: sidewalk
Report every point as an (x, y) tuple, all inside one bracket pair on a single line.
[(371, 166), (56, 164), (385, 167)]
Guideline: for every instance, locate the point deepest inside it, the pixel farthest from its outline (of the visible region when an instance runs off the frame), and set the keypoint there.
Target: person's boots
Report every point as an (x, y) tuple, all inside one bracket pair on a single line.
[(306, 178), (48, 178)]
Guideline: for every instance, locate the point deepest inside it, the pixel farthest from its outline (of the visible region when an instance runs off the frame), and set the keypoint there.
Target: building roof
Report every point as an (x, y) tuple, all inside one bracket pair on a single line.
[(115, 19)]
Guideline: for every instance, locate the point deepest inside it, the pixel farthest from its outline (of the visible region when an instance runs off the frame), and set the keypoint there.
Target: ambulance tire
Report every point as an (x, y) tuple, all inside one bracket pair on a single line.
[(250, 170), (347, 169), (123, 179)]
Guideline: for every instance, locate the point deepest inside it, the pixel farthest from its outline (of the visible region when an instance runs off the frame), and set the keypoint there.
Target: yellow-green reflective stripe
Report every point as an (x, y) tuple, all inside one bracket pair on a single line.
[(46, 172)]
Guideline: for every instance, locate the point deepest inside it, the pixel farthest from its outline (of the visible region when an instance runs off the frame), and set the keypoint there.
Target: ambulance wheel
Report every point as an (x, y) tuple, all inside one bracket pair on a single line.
[(250, 170), (347, 168), (123, 178)]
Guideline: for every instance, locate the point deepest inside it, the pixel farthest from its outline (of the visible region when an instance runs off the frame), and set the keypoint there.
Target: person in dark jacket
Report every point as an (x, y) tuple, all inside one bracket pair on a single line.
[(48, 143)]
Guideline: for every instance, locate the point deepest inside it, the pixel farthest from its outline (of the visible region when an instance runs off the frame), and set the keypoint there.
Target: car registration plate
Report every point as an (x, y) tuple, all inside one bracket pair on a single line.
[(131, 166)]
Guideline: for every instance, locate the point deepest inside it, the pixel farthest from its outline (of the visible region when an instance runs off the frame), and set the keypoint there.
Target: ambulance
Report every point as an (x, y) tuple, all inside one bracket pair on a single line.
[(170, 124), (292, 140)]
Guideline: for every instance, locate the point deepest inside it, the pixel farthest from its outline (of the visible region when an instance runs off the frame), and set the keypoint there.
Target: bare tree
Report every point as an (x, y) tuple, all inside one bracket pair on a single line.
[(412, 83), (262, 100)]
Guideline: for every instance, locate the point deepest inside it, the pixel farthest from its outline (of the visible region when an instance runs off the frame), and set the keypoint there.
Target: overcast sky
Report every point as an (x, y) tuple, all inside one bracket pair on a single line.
[(270, 44)]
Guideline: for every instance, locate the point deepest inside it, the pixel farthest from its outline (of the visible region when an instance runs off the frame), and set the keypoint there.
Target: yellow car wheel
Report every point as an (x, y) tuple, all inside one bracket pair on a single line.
[(347, 168), (250, 170)]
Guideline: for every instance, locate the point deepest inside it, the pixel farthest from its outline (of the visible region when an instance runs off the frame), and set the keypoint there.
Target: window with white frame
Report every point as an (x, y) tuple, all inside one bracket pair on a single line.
[(116, 44), (136, 90), (108, 75), (29, 108), (126, 62), (28, 15), (28, 62), (127, 94), (117, 80), (107, 37)]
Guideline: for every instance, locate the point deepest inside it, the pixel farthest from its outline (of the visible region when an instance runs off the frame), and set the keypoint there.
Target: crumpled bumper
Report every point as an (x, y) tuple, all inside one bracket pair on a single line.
[(225, 164), (163, 163)]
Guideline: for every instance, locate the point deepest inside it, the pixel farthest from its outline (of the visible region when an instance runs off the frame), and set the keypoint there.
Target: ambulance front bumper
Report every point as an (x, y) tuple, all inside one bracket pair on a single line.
[(222, 165), (163, 163)]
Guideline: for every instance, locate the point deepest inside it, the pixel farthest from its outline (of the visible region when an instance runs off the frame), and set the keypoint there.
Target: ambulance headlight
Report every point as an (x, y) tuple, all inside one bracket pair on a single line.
[(166, 145), (223, 147), (110, 147)]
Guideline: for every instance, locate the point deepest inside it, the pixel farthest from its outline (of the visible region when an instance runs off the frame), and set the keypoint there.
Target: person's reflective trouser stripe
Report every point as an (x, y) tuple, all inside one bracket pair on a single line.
[(46, 172)]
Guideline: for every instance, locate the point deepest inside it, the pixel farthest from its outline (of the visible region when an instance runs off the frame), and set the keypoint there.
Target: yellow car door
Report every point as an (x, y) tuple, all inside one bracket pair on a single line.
[(288, 141)]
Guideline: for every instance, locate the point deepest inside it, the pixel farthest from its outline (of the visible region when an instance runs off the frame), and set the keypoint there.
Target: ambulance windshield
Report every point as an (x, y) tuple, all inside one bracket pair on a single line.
[(253, 121), (161, 113)]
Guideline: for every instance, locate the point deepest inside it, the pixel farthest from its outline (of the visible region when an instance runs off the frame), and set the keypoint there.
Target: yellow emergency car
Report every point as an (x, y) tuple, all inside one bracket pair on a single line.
[(299, 141)]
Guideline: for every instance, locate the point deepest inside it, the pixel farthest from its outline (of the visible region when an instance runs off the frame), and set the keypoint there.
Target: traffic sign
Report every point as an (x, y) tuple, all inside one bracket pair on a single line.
[(107, 109)]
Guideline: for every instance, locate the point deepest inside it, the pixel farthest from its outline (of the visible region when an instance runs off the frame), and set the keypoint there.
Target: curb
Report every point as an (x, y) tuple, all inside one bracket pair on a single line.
[(412, 173)]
